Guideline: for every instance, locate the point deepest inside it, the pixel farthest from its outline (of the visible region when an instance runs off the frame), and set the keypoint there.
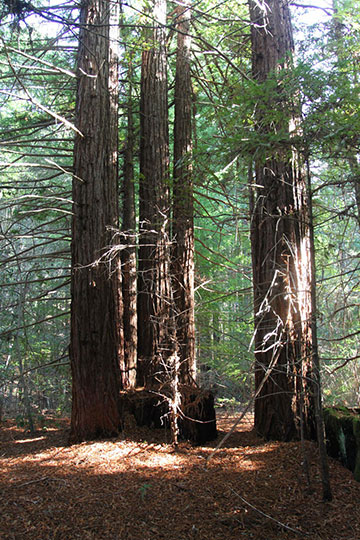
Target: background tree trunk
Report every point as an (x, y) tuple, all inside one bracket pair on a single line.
[(96, 336), (183, 205), (280, 244)]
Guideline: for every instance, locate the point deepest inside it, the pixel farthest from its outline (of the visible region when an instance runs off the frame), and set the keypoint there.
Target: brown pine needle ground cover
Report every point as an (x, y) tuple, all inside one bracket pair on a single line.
[(137, 487)]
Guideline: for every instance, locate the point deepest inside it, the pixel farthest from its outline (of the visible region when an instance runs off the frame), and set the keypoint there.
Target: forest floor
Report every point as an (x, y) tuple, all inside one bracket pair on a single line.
[(137, 487)]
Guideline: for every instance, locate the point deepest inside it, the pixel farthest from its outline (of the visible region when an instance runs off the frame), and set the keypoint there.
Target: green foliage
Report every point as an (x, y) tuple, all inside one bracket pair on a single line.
[(35, 206), (143, 490)]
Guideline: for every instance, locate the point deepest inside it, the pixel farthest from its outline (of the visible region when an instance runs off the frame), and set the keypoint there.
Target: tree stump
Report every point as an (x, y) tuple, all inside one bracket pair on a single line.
[(197, 419), (197, 422), (342, 427)]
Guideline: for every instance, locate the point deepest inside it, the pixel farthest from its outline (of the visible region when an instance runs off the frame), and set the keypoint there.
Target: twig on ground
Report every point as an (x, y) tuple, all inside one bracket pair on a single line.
[(298, 531), (31, 482)]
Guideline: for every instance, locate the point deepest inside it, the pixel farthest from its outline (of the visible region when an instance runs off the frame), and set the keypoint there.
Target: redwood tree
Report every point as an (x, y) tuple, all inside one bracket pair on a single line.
[(280, 237), (183, 207), (155, 317), (96, 337), (128, 255)]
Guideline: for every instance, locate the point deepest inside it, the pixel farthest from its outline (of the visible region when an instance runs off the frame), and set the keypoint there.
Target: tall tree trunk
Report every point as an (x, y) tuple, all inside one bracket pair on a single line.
[(155, 317), (128, 257), (183, 206), (96, 337), (280, 238)]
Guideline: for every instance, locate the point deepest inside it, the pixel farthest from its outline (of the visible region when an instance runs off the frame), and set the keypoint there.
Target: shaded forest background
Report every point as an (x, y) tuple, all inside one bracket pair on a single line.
[(38, 82)]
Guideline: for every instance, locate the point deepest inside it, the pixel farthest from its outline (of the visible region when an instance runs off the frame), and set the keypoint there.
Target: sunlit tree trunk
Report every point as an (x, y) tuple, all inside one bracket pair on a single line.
[(183, 207), (155, 317), (96, 336), (280, 237)]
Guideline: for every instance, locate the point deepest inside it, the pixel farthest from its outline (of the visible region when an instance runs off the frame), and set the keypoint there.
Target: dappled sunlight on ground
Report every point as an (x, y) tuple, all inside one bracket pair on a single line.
[(141, 488)]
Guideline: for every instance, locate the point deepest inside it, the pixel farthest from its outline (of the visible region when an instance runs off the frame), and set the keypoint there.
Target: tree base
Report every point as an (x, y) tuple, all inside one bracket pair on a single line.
[(197, 420)]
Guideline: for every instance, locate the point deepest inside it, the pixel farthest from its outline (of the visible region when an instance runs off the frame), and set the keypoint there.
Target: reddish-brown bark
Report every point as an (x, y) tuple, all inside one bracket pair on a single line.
[(155, 317), (96, 336), (128, 255), (183, 206)]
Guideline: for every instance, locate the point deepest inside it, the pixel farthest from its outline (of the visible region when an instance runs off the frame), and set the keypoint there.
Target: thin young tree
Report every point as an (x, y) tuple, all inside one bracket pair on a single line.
[(96, 337)]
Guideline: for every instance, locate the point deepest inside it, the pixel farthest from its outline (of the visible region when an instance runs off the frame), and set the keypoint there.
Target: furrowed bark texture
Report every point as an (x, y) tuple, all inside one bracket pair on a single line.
[(280, 237), (128, 255), (96, 334), (155, 317), (183, 206)]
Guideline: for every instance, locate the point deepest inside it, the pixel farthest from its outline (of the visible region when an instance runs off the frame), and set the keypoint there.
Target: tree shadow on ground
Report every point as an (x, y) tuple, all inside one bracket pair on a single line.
[(142, 489)]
